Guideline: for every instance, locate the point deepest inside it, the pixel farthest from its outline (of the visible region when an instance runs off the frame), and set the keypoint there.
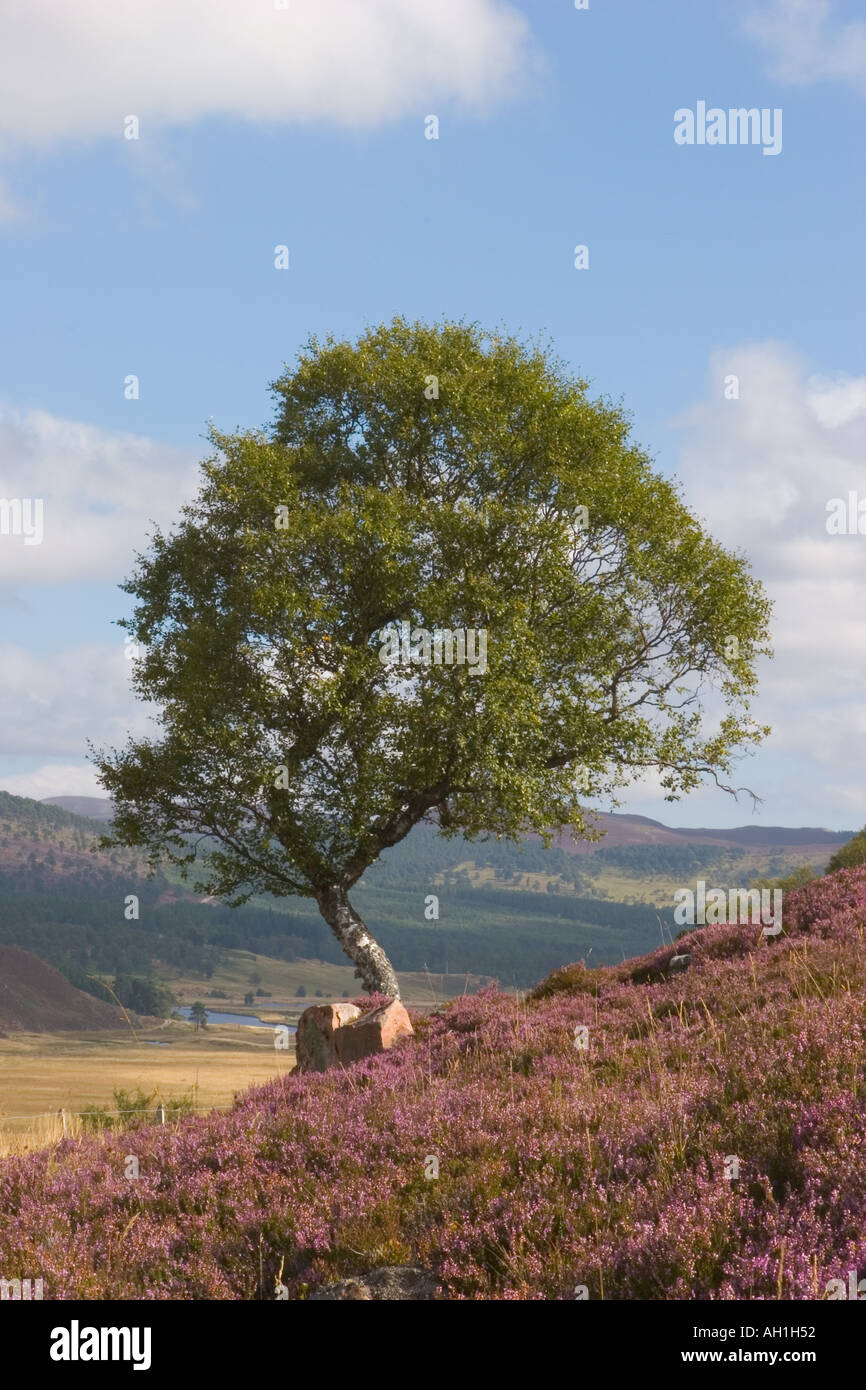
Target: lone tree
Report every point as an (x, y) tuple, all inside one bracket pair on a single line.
[(198, 1015), (448, 479)]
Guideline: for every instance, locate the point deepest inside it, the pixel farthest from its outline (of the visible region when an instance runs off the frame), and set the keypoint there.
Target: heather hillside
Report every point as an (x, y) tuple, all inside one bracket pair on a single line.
[(707, 1142)]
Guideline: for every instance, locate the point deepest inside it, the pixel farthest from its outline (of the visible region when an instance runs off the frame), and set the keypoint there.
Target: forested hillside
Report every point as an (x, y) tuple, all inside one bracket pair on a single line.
[(507, 911)]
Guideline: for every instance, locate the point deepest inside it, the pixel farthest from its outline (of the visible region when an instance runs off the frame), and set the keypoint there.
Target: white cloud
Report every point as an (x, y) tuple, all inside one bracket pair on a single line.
[(100, 490), (53, 779), (51, 705), (74, 71), (761, 470), (808, 41)]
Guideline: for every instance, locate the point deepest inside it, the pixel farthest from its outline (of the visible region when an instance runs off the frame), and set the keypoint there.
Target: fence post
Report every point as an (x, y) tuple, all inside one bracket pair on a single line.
[(63, 1121)]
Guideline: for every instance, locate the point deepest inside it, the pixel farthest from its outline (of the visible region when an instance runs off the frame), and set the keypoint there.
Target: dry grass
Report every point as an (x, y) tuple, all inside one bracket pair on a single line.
[(40, 1132), (40, 1074)]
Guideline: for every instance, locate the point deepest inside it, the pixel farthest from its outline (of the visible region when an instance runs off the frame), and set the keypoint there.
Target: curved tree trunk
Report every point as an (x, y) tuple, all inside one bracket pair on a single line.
[(372, 966)]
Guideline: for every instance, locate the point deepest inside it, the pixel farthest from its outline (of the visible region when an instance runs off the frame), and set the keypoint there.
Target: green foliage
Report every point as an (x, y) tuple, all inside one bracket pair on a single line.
[(177, 1107), (850, 855), (198, 1014), (89, 984), (510, 503), (132, 1110), (800, 876), (143, 996), (683, 860), (96, 1119)]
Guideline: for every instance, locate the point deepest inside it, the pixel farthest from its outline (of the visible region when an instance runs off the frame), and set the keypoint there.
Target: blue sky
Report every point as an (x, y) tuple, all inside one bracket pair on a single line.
[(304, 126)]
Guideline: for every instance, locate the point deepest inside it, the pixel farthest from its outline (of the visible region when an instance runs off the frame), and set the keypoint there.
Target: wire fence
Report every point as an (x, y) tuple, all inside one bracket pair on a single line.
[(97, 1109)]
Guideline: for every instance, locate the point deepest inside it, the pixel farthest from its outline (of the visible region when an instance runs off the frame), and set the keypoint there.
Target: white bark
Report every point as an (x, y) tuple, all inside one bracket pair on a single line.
[(372, 966)]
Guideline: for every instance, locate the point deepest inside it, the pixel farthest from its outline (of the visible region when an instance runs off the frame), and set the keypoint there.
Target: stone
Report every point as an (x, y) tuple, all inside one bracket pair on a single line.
[(389, 1282), (331, 1035), (678, 963), (315, 1049), (373, 1032)]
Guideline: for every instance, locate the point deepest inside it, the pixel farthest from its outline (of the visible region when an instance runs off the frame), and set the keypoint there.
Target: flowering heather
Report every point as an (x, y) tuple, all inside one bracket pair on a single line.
[(607, 1165)]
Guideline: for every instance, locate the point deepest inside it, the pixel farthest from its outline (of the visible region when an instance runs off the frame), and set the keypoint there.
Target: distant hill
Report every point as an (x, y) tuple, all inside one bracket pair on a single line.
[(94, 807), (621, 830), (512, 912), (36, 998)]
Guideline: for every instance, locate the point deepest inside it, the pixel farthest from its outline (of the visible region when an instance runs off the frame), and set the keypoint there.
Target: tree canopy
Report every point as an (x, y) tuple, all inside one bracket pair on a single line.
[(449, 479), (852, 853)]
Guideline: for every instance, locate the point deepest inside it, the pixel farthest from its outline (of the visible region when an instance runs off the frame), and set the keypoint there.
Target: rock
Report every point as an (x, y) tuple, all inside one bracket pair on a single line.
[(315, 1049), (330, 1035), (389, 1282), (678, 963), (373, 1032)]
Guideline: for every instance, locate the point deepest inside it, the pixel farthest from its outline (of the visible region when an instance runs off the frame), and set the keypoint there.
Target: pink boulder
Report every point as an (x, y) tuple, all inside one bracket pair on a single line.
[(315, 1048), (373, 1032), (331, 1035)]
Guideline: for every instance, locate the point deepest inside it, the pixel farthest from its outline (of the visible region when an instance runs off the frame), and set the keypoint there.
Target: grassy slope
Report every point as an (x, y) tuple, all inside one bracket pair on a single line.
[(609, 880), (281, 980), (559, 1167)]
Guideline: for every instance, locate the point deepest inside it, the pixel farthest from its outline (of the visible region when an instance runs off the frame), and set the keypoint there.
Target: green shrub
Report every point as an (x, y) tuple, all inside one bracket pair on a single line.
[(850, 855), (133, 1109)]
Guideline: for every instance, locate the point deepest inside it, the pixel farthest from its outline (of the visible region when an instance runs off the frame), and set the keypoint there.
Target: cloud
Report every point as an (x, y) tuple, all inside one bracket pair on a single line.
[(52, 704), (72, 72), (807, 41), (100, 489), (760, 470), (53, 779)]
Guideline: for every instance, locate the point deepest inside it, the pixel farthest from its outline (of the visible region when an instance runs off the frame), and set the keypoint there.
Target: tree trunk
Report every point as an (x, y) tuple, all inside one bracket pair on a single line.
[(372, 966)]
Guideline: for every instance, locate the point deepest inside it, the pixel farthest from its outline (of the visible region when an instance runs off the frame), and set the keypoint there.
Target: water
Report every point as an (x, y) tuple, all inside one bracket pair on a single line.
[(245, 1020)]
